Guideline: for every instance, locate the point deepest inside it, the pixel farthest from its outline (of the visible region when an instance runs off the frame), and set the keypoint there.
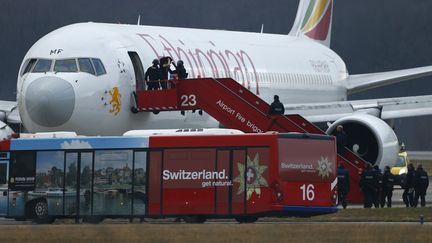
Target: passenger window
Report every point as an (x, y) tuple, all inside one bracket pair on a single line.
[(85, 65), (99, 67), (66, 65), (28, 66), (42, 66)]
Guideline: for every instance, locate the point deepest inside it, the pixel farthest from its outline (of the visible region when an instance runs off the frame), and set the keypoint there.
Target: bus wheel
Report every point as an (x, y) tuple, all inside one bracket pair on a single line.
[(93, 219), (246, 219), (40, 213), (194, 219)]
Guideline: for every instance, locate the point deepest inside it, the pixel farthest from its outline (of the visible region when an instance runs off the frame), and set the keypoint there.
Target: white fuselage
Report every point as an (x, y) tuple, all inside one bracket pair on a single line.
[(297, 69)]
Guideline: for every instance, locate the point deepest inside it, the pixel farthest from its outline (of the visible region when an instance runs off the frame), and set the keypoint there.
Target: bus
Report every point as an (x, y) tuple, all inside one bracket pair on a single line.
[(192, 177)]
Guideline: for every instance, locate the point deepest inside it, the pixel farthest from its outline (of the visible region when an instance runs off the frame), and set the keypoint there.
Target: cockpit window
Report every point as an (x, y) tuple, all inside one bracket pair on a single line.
[(92, 66), (42, 66), (66, 65), (85, 65), (99, 67), (28, 66)]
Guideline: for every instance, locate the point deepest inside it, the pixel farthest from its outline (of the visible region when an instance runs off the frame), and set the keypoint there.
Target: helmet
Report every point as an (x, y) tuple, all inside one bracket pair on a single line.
[(155, 62), (179, 63)]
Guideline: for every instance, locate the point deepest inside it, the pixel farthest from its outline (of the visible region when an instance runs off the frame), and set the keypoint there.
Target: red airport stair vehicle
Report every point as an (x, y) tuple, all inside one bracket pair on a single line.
[(234, 106)]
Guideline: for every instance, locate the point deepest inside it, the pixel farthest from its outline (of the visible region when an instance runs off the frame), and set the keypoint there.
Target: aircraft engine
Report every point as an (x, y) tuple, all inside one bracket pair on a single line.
[(370, 137)]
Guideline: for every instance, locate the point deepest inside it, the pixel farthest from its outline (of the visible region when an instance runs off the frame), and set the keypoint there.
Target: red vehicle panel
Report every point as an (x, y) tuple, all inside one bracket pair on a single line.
[(246, 174)]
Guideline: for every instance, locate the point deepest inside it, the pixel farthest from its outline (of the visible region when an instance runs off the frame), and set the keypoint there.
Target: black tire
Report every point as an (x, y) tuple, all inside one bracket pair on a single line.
[(246, 219), (40, 212), (93, 219), (194, 219)]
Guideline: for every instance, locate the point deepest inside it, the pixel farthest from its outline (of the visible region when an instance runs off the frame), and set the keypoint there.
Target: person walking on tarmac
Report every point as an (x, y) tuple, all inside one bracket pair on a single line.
[(368, 184), (343, 184), (276, 108), (387, 187), (341, 139), (152, 76), (378, 189), (180, 70), (408, 194), (421, 185)]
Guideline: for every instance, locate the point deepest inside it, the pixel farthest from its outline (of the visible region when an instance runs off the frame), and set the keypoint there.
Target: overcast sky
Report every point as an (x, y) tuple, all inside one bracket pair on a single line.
[(370, 35)]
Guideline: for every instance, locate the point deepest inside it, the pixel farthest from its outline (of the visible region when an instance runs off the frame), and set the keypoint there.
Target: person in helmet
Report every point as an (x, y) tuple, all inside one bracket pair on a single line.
[(153, 75), (341, 140), (343, 184), (165, 71), (421, 185), (276, 108), (408, 194), (378, 189), (368, 184), (387, 186), (180, 71)]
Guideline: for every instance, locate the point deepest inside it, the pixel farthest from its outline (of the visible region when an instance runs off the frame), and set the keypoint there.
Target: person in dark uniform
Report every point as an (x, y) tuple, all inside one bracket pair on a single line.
[(343, 184), (152, 75), (421, 185), (180, 71), (387, 187), (276, 108), (368, 184), (165, 71), (341, 139), (408, 194), (378, 189)]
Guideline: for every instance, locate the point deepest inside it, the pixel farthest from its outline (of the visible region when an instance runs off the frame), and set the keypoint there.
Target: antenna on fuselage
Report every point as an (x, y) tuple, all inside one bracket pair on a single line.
[(262, 28), (139, 20)]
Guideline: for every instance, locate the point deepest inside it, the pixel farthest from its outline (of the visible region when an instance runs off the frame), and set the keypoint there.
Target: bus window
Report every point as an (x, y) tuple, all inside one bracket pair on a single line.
[(71, 184), (50, 171), (112, 182), (139, 191), (49, 179), (23, 170), (86, 171), (3, 173)]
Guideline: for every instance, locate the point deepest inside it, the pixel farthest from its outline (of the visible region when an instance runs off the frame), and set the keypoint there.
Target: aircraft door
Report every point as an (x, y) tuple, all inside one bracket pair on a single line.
[(138, 69)]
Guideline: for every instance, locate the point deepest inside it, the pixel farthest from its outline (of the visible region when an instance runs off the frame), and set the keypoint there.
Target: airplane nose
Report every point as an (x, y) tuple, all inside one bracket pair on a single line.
[(50, 101)]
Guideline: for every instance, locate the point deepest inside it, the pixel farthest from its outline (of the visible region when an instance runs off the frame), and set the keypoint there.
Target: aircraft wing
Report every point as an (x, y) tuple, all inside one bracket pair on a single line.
[(362, 82), (9, 112), (388, 108)]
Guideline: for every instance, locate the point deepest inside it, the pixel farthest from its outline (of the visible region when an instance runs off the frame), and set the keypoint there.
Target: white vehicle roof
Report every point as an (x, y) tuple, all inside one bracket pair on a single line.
[(181, 132)]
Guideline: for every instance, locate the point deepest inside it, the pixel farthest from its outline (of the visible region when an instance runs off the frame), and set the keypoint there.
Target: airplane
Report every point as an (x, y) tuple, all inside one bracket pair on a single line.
[(81, 78)]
